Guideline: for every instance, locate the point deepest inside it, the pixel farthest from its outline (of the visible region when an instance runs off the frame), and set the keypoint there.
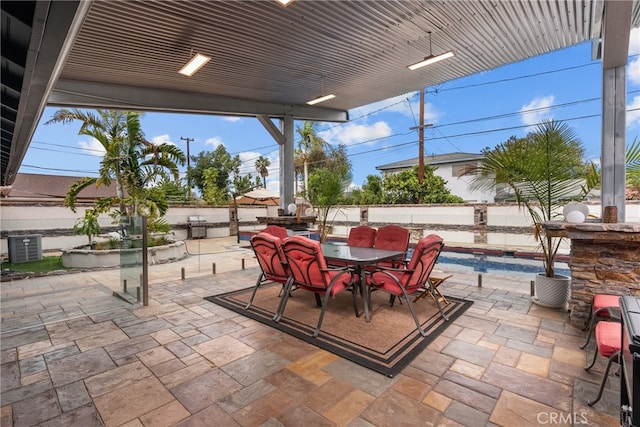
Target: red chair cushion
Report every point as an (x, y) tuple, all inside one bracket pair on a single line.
[(608, 337), (362, 236), (601, 301)]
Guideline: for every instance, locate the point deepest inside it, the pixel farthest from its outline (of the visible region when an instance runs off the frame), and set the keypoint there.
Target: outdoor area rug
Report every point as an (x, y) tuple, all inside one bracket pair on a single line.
[(387, 344)]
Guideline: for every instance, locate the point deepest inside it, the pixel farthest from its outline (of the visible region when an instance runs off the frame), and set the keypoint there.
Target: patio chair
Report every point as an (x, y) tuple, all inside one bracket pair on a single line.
[(402, 282), (276, 230), (268, 251), (362, 236), (602, 306), (309, 271), (395, 238), (608, 344)]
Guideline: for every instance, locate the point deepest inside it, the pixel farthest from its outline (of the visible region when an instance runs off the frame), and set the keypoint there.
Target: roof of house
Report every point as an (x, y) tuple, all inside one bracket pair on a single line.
[(432, 159), (29, 185)]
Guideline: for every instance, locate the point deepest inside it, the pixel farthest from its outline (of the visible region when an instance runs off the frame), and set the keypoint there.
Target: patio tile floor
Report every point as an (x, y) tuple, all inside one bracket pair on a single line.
[(74, 355)]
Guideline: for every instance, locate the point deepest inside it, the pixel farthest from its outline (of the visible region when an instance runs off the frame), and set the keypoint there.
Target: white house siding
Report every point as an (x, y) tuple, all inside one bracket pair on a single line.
[(426, 214), (460, 186)]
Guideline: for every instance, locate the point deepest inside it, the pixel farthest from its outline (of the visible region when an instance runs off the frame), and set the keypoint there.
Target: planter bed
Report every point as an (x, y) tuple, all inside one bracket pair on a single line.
[(87, 258)]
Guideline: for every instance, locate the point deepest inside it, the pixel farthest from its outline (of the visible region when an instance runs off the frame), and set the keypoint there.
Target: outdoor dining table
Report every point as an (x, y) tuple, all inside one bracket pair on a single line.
[(359, 257)]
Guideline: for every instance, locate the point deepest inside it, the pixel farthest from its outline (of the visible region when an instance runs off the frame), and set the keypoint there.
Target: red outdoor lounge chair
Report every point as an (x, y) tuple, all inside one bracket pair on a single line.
[(276, 230), (362, 236), (309, 271), (268, 251), (608, 344), (392, 237), (402, 282)]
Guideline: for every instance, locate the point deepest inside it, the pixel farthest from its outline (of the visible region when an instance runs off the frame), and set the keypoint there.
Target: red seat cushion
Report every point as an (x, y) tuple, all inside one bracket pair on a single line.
[(608, 337), (603, 301)]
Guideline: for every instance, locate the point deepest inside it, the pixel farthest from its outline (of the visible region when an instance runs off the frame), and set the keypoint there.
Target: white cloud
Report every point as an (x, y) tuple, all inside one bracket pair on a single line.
[(353, 133), (92, 147), (537, 110), (633, 71), (248, 165), (397, 104), (231, 118), (162, 139), (633, 117), (407, 104), (214, 142)]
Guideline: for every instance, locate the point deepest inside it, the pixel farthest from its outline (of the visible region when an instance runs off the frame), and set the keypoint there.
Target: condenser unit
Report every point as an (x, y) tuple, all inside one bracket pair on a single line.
[(25, 248)]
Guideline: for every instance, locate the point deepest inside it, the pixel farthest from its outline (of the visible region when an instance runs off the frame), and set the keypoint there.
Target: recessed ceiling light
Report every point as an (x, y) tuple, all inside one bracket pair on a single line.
[(285, 2), (194, 64), (321, 99)]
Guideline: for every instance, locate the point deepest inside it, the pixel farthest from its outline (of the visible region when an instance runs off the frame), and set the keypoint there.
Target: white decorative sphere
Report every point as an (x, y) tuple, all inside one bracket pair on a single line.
[(575, 217), (292, 208)]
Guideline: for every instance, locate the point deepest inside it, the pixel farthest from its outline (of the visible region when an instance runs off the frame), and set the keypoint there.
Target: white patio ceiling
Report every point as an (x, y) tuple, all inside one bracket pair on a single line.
[(269, 60)]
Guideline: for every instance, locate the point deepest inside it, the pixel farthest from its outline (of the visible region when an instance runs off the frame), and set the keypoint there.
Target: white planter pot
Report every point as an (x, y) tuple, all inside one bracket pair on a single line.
[(552, 292)]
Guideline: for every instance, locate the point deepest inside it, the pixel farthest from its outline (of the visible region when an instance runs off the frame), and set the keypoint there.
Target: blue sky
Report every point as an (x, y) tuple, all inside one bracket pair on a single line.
[(467, 114)]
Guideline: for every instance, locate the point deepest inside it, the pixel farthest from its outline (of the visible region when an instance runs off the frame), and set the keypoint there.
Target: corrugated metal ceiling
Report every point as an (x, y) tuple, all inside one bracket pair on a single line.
[(357, 50), (267, 60)]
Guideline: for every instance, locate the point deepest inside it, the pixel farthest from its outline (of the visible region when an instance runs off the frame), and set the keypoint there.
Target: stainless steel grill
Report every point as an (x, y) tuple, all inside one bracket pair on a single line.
[(197, 227)]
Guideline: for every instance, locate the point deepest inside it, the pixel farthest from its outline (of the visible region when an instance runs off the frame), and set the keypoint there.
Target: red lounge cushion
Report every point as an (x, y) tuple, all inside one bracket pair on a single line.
[(608, 337), (603, 301)]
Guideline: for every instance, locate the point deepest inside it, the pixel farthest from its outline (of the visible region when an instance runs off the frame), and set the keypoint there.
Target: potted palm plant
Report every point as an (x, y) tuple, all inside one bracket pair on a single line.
[(544, 171)]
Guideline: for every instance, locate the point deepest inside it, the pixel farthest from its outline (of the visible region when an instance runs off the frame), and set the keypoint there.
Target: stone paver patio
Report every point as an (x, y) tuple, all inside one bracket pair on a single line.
[(74, 355)]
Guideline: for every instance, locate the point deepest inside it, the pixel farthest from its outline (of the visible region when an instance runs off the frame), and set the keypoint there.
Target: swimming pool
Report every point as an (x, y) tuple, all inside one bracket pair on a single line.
[(482, 263)]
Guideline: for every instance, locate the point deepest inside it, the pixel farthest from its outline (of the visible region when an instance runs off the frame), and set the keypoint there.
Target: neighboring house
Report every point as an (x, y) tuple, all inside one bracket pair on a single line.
[(51, 188), (453, 168)]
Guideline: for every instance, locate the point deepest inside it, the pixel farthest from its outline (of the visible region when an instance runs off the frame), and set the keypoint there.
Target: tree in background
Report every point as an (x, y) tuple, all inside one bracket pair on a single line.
[(403, 188), (174, 190), (134, 163), (308, 140), (213, 194), (327, 185), (262, 167), (371, 193), (633, 171), (219, 160)]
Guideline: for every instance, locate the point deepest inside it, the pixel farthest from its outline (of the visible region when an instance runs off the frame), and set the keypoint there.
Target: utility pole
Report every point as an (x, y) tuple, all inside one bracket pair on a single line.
[(188, 140), (421, 143)]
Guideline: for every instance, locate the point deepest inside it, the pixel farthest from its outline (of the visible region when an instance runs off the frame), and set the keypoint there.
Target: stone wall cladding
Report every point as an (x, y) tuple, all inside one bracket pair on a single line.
[(602, 262)]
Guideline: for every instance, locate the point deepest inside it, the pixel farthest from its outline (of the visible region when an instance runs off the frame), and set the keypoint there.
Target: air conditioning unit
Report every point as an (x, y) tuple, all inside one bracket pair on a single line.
[(25, 248)]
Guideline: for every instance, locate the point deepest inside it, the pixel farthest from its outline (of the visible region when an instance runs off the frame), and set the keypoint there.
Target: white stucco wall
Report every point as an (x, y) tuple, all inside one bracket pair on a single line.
[(32, 219)]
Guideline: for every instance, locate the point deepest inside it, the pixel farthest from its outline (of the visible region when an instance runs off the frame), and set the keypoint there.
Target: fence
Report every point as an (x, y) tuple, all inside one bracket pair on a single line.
[(496, 225)]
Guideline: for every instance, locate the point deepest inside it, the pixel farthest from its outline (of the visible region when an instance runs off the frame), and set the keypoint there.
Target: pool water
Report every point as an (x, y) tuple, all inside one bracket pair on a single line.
[(482, 263)]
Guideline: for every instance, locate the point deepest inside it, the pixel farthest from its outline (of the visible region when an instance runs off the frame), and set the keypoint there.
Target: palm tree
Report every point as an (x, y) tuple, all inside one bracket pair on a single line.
[(545, 170), (129, 160), (308, 139), (262, 164)]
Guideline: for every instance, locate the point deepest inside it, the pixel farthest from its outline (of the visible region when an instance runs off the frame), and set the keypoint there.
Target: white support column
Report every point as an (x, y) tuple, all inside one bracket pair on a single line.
[(613, 139), (284, 137), (287, 174)]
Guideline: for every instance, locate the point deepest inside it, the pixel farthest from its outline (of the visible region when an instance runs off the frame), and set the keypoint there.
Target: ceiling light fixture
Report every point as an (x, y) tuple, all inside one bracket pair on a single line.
[(194, 64), (431, 58), (285, 3), (321, 99)]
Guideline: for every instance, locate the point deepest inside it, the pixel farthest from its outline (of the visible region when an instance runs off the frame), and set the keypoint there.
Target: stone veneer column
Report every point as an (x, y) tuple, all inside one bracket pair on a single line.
[(480, 223), (605, 258)]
